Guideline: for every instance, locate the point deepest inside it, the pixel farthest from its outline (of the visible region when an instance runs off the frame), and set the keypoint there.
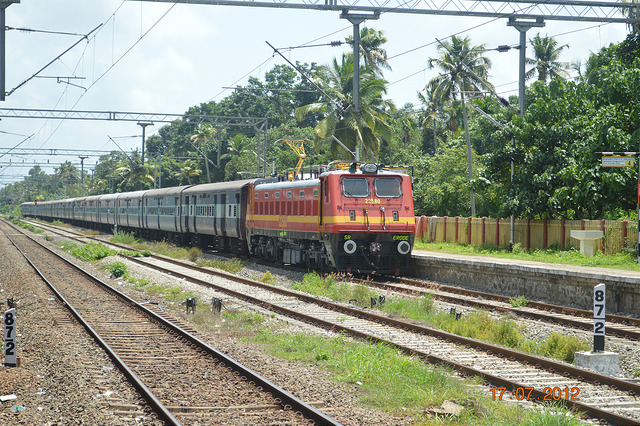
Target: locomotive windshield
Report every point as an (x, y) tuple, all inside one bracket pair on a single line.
[(355, 187), (388, 187)]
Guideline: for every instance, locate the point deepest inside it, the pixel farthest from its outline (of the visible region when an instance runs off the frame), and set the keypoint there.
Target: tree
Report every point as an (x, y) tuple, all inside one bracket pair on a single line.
[(201, 136), (371, 50), (465, 70), (546, 65), (367, 127)]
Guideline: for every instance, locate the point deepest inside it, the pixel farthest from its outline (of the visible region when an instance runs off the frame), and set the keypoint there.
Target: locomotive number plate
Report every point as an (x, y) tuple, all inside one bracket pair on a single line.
[(372, 200)]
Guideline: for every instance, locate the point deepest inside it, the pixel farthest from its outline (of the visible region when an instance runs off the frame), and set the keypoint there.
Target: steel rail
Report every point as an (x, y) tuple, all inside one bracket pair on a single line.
[(538, 362), (538, 305), (146, 393), (285, 397), (542, 316)]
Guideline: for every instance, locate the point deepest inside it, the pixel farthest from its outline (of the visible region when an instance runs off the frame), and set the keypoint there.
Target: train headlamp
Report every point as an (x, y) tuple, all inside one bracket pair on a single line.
[(350, 246), (404, 247), (369, 168)]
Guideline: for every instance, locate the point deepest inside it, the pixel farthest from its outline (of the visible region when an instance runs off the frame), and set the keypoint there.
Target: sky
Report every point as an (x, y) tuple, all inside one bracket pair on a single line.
[(162, 58)]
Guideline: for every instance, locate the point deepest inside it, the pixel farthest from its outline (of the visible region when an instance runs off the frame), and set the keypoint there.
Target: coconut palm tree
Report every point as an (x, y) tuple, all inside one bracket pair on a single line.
[(367, 127), (464, 70), (201, 136), (371, 50), (545, 62)]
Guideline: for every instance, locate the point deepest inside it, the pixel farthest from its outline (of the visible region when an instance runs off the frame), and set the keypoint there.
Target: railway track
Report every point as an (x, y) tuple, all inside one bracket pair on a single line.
[(526, 377), (183, 379)]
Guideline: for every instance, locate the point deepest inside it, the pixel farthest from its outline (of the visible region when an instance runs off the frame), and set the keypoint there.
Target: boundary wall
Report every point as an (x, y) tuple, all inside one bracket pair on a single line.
[(531, 234), (553, 283)]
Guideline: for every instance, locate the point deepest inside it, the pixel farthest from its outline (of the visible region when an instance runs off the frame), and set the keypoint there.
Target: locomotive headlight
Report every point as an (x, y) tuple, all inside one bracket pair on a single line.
[(350, 246), (369, 168), (404, 247)]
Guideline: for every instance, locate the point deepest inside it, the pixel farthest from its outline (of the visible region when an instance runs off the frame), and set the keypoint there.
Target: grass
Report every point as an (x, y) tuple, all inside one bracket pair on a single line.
[(232, 266), (479, 325), (402, 385), (572, 256)]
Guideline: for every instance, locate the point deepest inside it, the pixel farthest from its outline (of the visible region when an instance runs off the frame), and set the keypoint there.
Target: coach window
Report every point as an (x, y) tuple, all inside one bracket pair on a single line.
[(387, 187), (289, 194), (277, 194), (301, 194), (355, 187)]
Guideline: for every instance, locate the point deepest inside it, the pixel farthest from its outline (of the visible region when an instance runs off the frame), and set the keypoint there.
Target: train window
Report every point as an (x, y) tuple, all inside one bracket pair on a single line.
[(289, 194), (301, 194), (256, 195), (387, 187), (277, 194), (266, 195), (315, 192), (235, 210), (355, 187)]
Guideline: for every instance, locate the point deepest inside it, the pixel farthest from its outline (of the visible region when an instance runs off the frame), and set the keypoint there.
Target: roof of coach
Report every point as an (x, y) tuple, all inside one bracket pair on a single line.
[(219, 186), (174, 190), (132, 195), (109, 197)]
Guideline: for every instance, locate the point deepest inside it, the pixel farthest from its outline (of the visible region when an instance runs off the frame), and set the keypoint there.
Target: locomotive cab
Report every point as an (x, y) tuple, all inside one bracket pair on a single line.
[(368, 219)]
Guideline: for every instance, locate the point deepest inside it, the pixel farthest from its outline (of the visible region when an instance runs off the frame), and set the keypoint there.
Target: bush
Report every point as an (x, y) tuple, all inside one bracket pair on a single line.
[(194, 254), (117, 269)]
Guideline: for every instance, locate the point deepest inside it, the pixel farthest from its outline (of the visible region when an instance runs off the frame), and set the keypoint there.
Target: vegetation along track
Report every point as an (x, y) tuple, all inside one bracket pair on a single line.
[(617, 325), (183, 379), (527, 377)]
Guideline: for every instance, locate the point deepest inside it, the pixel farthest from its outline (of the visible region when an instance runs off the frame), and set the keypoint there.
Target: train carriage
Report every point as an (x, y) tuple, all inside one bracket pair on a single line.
[(215, 215), (106, 210), (129, 210), (161, 214)]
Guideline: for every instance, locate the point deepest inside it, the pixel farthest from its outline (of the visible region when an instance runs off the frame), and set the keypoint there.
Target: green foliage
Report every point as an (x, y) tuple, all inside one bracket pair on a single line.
[(267, 278), (88, 252), (122, 237), (403, 385), (117, 269), (233, 265), (570, 256), (334, 287), (563, 347), (194, 254), (519, 302)]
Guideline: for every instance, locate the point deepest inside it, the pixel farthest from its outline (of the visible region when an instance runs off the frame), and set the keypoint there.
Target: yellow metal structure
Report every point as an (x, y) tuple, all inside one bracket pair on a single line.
[(297, 145)]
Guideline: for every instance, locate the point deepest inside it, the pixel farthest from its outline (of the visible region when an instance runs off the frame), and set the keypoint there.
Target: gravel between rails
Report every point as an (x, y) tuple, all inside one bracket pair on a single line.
[(53, 389)]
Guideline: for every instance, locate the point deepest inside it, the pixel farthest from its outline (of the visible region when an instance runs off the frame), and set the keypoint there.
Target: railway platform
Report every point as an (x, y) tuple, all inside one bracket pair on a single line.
[(556, 283)]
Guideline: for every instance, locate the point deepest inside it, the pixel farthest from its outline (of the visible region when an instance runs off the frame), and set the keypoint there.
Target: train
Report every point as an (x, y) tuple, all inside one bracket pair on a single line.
[(348, 217)]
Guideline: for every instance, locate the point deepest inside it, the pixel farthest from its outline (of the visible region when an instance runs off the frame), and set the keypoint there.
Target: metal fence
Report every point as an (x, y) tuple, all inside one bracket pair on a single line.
[(531, 234)]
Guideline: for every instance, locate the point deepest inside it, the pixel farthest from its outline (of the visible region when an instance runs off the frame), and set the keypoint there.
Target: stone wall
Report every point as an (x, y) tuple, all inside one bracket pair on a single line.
[(559, 286)]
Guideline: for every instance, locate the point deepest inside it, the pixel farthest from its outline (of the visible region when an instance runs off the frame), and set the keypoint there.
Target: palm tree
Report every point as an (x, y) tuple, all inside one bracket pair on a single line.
[(132, 171), (188, 170), (432, 112), (236, 147), (546, 52), (370, 48), (201, 136), (367, 127), (465, 70)]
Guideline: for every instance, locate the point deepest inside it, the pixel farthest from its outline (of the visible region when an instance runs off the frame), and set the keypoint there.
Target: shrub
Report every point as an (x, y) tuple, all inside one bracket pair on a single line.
[(194, 254), (117, 269), (267, 278)]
